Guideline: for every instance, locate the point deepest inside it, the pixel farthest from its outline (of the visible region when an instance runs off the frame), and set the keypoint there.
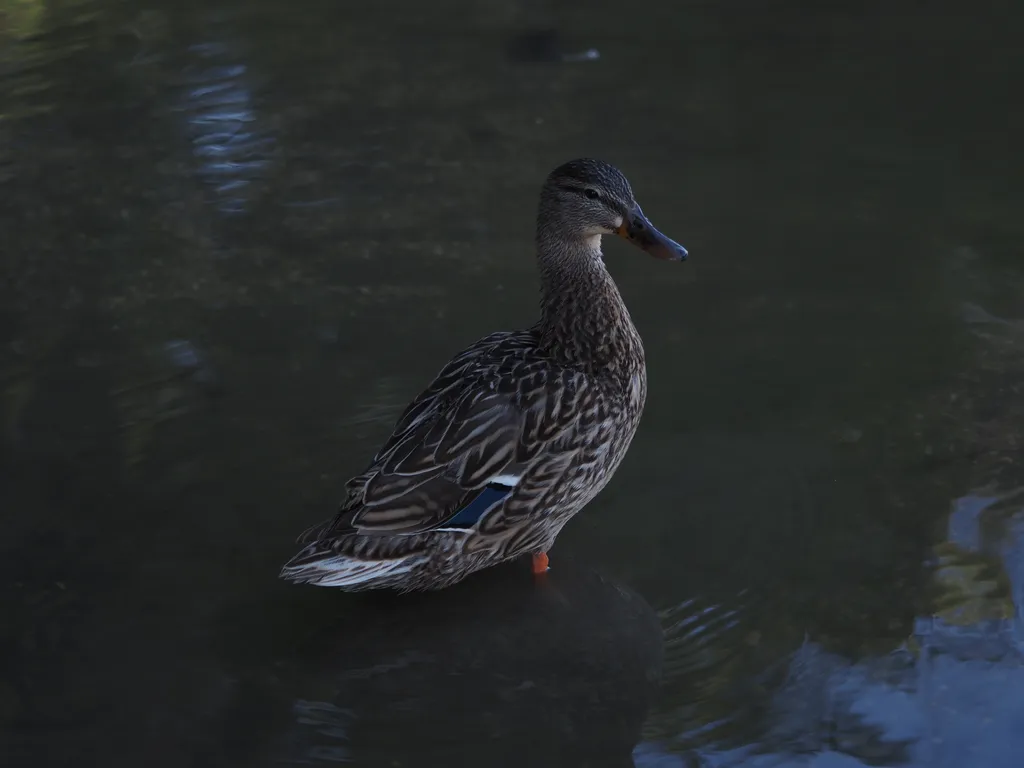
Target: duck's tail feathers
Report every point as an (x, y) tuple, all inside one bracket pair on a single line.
[(314, 532), (325, 568)]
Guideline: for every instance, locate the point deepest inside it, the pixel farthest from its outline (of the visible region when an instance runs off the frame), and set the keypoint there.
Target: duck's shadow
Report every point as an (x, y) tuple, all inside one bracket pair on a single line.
[(497, 670)]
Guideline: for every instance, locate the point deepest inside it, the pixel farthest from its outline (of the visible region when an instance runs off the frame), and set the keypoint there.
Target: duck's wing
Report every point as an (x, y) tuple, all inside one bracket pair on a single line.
[(465, 442)]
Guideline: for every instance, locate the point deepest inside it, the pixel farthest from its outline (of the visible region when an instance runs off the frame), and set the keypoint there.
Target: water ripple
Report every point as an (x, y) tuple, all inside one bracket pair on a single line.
[(231, 150)]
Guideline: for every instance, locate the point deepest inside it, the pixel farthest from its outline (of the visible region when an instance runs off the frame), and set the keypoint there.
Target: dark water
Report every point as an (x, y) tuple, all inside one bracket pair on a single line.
[(238, 237)]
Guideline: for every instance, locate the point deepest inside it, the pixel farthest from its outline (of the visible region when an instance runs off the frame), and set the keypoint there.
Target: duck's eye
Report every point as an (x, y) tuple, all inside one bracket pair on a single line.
[(591, 193)]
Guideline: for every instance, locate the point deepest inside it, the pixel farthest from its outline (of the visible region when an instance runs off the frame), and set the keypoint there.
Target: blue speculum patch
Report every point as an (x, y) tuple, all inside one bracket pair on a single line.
[(472, 512)]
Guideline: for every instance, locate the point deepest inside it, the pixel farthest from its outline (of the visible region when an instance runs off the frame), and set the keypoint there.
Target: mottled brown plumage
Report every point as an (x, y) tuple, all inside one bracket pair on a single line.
[(515, 434)]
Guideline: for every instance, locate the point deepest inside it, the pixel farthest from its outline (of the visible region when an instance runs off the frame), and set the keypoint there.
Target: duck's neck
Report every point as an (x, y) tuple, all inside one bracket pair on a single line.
[(584, 320)]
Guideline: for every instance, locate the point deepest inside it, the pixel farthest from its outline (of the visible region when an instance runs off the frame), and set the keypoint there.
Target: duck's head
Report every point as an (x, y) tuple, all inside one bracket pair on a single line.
[(584, 199)]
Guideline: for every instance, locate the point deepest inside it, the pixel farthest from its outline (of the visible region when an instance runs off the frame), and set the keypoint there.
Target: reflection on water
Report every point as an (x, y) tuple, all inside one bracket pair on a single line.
[(979, 580), (495, 673), (230, 150), (33, 43), (843, 359), (950, 695)]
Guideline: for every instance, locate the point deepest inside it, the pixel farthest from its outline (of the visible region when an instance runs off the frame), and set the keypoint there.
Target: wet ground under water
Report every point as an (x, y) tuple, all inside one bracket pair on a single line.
[(238, 237)]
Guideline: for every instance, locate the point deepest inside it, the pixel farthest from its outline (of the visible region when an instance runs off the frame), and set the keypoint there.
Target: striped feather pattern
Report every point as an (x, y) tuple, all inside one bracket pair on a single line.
[(517, 433)]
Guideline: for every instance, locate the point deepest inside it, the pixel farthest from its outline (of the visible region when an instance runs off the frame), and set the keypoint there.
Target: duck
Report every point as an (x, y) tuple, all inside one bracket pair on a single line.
[(519, 431)]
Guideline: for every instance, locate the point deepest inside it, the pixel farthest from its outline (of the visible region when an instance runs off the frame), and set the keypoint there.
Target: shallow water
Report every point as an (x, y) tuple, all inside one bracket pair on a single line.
[(239, 237)]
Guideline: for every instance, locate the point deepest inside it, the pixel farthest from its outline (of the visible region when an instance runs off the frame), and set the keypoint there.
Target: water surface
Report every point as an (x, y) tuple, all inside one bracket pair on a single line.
[(239, 237)]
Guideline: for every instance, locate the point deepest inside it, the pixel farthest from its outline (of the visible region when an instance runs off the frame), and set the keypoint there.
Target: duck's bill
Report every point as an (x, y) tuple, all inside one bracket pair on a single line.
[(641, 233)]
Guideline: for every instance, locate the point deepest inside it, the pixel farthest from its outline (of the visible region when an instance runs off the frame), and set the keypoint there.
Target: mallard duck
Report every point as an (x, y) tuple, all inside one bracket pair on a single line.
[(519, 431)]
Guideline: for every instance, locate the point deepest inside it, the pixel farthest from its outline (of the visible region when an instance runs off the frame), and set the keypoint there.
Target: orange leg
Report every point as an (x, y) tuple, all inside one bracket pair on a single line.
[(540, 563)]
